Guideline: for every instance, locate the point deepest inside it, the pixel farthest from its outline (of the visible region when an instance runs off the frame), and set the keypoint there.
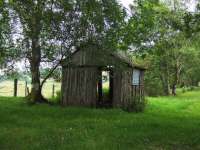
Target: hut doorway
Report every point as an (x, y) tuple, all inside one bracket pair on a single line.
[(105, 88)]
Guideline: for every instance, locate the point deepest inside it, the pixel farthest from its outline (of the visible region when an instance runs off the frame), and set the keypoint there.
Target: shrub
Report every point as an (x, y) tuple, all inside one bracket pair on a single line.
[(136, 105), (153, 85), (58, 96)]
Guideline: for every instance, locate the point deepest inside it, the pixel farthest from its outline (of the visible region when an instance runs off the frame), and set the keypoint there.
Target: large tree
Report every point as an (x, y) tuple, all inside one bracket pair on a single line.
[(51, 30)]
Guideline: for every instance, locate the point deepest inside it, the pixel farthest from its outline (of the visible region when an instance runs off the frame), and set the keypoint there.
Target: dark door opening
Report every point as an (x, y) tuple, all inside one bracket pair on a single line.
[(105, 88)]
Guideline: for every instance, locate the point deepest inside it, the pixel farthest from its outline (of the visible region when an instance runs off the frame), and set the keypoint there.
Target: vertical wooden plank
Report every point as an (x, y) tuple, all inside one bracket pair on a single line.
[(100, 88), (111, 86)]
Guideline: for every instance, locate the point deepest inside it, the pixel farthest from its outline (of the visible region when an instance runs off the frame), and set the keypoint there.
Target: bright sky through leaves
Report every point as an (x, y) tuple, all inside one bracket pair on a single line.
[(191, 4)]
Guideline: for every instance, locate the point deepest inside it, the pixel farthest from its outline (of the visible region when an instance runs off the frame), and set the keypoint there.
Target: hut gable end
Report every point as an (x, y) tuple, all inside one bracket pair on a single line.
[(93, 57)]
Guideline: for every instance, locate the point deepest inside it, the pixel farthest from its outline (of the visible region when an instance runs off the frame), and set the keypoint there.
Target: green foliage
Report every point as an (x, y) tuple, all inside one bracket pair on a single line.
[(140, 25), (16, 75), (58, 97), (191, 88), (4, 33), (9, 52), (164, 37), (56, 75), (153, 84)]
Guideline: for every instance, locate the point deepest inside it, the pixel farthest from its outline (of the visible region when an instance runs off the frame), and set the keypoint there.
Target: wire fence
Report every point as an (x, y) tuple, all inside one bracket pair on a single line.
[(7, 88)]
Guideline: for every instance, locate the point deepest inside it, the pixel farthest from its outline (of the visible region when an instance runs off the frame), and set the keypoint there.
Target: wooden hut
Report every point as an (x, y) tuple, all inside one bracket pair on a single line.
[(82, 80)]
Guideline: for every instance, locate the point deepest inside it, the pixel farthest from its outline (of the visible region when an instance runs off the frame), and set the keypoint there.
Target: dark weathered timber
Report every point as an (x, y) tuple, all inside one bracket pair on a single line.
[(79, 86), (82, 80), (99, 88)]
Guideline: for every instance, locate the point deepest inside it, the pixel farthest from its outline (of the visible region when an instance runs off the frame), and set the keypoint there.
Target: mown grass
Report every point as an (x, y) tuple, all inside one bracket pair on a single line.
[(168, 123)]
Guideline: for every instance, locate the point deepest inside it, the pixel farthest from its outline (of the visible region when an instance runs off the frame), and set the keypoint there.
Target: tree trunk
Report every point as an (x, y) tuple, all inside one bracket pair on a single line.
[(36, 94), (166, 87), (174, 89), (176, 77), (164, 75)]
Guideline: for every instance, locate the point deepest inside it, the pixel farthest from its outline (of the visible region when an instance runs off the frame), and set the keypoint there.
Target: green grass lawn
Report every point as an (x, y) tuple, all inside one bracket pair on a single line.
[(168, 123)]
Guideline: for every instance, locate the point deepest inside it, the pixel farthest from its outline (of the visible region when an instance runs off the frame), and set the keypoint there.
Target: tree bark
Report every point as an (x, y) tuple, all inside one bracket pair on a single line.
[(176, 76), (166, 86), (164, 75), (174, 89), (36, 90), (31, 19)]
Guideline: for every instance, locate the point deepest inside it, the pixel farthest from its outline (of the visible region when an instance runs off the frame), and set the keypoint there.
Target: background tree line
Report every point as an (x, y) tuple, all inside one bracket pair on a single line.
[(172, 55)]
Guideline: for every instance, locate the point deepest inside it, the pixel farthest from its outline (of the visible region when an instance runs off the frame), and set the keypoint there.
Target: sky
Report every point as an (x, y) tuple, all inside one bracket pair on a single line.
[(191, 4), (126, 2)]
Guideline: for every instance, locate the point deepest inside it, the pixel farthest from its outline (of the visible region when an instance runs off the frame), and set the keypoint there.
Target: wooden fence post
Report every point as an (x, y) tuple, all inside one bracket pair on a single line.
[(26, 89), (53, 91), (28, 92), (15, 87)]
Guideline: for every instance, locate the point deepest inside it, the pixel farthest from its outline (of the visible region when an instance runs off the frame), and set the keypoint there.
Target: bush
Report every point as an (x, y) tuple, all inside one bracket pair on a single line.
[(184, 89), (56, 99), (153, 85), (136, 105), (58, 96), (190, 88)]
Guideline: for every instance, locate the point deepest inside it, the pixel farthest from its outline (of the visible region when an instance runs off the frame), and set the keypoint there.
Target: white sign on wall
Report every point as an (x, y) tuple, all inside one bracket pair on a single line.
[(136, 77)]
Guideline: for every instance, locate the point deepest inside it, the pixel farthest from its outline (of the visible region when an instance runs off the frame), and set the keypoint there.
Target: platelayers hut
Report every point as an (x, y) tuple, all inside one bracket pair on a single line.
[(85, 74)]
